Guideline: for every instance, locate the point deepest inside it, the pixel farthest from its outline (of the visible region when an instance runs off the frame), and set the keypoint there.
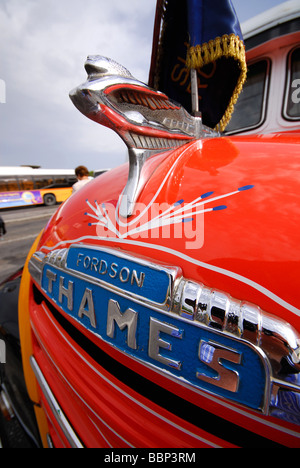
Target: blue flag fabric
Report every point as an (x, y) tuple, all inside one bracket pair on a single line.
[(204, 35), (210, 19)]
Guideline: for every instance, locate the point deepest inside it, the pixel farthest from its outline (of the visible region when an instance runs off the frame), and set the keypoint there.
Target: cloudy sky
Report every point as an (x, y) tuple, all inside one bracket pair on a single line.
[(43, 46)]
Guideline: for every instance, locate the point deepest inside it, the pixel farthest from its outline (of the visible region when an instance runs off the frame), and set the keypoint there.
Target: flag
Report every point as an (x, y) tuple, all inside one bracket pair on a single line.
[(204, 35)]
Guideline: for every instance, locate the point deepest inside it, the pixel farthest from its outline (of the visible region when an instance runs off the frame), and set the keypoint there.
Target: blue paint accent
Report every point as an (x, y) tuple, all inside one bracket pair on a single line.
[(246, 187), (179, 202), (219, 208), (187, 220), (205, 195)]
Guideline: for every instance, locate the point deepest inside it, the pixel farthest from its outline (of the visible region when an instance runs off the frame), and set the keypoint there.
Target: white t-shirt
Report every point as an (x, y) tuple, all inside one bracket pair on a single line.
[(81, 183)]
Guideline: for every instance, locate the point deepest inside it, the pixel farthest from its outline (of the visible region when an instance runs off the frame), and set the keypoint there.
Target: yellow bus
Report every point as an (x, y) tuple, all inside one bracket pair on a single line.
[(24, 186)]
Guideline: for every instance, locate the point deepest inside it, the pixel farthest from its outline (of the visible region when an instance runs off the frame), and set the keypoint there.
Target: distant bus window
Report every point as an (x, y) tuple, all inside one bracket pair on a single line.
[(26, 183), (41, 182), (250, 109), (64, 181), (292, 104), (8, 184)]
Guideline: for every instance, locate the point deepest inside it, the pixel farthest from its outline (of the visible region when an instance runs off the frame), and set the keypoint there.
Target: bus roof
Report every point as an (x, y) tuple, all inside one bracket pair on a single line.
[(280, 14), (25, 171)]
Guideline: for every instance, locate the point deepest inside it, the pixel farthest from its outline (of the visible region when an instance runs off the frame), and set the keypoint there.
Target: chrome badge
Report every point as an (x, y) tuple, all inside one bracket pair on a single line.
[(199, 337)]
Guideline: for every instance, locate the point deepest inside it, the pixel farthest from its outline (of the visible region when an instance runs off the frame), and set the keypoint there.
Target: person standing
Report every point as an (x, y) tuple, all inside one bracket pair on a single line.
[(83, 178)]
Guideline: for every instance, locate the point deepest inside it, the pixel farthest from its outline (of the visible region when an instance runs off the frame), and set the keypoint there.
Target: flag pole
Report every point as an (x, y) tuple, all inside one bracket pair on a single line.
[(195, 103), (194, 92)]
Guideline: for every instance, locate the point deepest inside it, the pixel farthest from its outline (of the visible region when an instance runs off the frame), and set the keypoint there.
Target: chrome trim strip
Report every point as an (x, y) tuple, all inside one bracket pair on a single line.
[(219, 311), (36, 265), (56, 409)]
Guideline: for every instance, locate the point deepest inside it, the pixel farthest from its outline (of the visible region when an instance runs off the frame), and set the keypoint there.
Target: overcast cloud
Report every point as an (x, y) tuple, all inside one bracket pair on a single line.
[(43, 46)]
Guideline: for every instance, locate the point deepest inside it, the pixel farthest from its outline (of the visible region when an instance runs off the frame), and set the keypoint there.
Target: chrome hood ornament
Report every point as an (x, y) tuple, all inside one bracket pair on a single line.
[(147, 121)]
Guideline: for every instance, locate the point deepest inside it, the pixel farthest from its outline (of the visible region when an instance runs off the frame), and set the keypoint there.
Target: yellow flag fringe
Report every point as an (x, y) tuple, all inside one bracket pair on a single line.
[(229, 46)]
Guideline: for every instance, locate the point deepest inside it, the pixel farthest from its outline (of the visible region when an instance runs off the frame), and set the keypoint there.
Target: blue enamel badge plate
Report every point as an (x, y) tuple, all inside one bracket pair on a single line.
[(125, 302)]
